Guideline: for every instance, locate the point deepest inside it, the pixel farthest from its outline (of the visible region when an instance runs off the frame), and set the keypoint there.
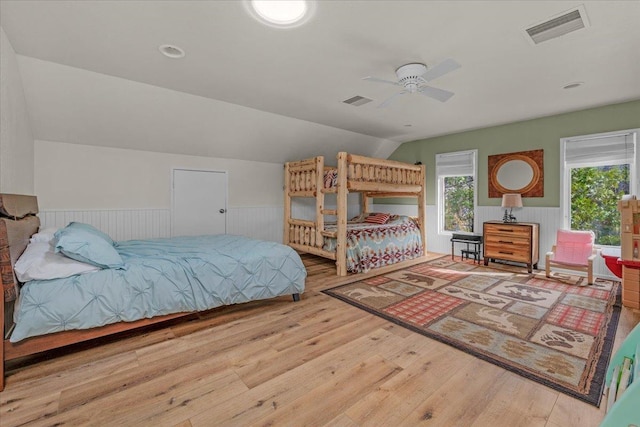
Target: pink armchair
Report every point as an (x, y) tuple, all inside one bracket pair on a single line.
[(574, 250)]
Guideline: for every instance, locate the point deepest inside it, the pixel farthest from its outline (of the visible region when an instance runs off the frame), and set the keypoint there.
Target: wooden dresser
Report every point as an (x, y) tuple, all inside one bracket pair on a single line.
[(515, 241)]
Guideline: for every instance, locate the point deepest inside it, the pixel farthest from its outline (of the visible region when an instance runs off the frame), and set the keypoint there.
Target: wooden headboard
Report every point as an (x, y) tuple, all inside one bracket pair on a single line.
[(18, 222)]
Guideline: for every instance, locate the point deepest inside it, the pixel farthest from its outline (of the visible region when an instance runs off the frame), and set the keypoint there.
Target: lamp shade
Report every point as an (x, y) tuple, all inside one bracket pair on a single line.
[(511, 201)]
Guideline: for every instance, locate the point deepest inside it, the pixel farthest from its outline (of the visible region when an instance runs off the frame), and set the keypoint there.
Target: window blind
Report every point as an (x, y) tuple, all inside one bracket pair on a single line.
[(610, 149), (461, 163)]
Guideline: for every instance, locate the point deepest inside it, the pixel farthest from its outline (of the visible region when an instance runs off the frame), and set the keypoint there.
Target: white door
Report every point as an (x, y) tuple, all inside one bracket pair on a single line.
[(199, 202)]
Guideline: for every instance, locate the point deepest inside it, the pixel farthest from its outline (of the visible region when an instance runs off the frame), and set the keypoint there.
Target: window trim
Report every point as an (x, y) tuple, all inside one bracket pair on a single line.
[(565, 172), (440, 190)]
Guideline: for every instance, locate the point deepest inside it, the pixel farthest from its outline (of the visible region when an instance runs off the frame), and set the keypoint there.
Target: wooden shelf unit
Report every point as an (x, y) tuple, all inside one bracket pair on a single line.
[(630, 239), (512, 241)]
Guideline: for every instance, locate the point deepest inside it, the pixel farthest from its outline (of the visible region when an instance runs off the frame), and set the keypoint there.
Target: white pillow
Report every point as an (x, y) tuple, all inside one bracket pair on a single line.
[(44, 236), (40, 262)]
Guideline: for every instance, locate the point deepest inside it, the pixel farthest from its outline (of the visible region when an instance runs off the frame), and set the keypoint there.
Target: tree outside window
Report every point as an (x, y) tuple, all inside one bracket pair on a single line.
[(595, 192), (458, 203)]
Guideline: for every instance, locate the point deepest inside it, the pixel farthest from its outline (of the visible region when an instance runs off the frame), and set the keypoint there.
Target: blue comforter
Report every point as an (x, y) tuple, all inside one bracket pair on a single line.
[(161, 276)]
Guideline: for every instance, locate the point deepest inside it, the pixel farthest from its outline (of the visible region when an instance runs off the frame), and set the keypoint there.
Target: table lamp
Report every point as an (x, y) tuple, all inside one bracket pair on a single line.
[(510, 201)]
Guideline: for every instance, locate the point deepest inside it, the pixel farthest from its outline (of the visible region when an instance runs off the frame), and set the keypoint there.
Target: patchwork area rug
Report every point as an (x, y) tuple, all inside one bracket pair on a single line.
[(558, 331)]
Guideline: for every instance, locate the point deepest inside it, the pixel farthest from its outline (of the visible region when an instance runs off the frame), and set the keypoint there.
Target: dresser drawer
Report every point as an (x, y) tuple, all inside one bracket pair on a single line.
[(630, 299), (507, 230), (511, 253), (511, 240), (630, 273)]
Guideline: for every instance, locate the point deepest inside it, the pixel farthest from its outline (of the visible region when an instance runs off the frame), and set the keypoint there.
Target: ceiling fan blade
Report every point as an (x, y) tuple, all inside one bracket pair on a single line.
[(377, 80), (441, 69), (435, 93), (389, 100)]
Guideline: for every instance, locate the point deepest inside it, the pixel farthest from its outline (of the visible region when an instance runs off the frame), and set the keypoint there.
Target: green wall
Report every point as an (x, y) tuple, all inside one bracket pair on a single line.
[(543, 133)]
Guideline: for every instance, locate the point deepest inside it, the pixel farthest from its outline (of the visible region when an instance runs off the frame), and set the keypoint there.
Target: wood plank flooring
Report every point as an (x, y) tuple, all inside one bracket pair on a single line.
[(316, 362)]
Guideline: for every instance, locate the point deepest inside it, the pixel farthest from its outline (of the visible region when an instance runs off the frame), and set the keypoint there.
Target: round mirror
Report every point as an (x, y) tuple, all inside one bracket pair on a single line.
[(515, 175)]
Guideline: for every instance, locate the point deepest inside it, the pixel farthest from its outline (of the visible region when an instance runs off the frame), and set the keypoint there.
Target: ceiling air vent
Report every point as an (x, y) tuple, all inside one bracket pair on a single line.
[(357, 101), (557, 26)]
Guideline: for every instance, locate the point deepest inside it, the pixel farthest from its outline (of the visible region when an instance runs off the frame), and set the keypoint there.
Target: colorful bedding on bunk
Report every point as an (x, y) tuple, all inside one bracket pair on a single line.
[(371, 245), (160, 276)]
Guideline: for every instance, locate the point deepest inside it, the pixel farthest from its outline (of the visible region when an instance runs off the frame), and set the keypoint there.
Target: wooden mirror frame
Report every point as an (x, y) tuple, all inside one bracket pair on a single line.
[(535, 187)]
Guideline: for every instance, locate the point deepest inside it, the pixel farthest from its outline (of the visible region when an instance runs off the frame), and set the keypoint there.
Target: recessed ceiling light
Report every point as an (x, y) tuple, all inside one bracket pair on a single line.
[(281, 13), (171, 51), (573, 85)]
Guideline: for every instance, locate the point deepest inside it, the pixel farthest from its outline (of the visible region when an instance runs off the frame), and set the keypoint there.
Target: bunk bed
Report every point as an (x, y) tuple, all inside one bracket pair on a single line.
[(370, 177), (157, 280)]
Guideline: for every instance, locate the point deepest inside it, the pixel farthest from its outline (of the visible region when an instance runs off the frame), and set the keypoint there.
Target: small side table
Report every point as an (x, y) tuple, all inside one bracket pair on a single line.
[(473, 248)]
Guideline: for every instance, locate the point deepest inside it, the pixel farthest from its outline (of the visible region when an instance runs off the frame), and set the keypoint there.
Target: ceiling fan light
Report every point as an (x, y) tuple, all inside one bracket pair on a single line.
[(411, 87)]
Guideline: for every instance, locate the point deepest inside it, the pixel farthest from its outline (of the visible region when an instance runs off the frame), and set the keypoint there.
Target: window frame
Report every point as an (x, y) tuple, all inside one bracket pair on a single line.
[(565, 171), (440, 189)]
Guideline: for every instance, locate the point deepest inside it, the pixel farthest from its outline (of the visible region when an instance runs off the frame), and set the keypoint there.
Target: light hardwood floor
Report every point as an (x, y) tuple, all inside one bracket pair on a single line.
[(315, 362)]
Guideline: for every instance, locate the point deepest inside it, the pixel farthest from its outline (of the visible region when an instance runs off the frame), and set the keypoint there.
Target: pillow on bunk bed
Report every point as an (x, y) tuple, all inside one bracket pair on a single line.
[(84, 243), (377, 218), (358, 218), (330, 178), (40, 262)]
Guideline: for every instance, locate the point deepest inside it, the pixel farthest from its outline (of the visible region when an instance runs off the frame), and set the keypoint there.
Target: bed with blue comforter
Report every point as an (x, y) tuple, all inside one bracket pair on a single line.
[(158, 277)]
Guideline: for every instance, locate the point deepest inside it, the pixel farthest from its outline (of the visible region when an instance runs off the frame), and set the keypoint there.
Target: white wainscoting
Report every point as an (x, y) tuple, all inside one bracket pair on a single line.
[(120, 224), (263, 223), (266, 223), (305, 208)]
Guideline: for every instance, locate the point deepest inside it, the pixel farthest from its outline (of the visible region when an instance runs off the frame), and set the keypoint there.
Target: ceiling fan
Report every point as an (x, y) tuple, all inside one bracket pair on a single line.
[(413, 78)]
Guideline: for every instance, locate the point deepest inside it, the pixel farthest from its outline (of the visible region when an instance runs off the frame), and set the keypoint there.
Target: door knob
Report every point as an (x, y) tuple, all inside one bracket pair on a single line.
[(222, 210)]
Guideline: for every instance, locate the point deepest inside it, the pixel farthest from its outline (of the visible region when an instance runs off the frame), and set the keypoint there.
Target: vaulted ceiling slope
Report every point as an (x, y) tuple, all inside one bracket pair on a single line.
[(93, 73)]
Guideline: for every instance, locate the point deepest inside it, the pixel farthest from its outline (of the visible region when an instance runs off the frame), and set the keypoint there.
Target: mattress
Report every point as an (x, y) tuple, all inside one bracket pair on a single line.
[(161, 276), (376, 245)]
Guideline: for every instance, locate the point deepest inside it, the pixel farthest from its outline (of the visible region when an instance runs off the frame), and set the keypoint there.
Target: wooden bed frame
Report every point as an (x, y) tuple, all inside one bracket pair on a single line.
[(18, 222), (368, 176)]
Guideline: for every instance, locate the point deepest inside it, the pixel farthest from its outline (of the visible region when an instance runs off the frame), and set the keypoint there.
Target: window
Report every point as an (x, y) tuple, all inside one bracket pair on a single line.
[(456, 180), (597, 170)]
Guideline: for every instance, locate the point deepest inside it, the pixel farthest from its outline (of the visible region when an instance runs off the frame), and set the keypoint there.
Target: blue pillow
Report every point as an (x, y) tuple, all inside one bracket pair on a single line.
[(89, 229), (86, 244)]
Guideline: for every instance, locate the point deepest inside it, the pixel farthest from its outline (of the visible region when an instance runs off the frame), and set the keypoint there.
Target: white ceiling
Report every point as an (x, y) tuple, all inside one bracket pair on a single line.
[(305, 73)]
